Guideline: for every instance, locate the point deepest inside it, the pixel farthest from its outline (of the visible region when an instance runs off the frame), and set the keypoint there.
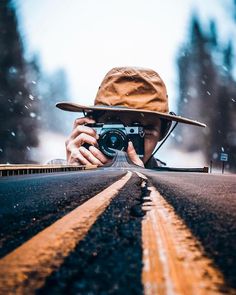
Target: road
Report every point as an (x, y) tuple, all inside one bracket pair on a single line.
[(118, 230)]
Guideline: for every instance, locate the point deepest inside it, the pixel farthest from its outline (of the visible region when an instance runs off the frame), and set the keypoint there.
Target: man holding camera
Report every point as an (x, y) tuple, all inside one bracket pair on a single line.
[(130, 113)]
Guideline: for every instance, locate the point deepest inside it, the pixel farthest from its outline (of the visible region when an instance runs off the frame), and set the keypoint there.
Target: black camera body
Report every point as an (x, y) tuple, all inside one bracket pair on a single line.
[(116, 136)]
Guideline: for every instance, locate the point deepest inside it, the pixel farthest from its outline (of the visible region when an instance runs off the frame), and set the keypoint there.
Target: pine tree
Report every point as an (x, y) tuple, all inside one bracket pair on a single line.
[(207, 92), (17, 110)]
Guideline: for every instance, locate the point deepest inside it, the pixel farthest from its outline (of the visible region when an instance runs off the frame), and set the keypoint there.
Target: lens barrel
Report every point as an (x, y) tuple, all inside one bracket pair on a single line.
[(112, 139)]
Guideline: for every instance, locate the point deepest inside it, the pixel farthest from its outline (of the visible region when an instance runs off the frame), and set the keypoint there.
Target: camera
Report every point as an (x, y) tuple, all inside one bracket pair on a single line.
[(116, 136)]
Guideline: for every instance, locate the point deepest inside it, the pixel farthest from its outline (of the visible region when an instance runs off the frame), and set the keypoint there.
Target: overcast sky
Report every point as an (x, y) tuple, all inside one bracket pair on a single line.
[(88, 38)]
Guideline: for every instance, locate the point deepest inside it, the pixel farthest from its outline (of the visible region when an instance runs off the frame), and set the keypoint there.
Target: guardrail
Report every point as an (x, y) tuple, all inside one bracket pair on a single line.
[(23, 169)]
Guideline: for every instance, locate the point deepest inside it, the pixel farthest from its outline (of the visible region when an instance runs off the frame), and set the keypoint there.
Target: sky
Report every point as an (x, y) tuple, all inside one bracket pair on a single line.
[(88, 38)]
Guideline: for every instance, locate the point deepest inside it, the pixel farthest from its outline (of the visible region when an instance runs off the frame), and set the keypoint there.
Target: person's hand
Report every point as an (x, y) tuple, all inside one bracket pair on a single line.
[(133, 155), (76, 153)]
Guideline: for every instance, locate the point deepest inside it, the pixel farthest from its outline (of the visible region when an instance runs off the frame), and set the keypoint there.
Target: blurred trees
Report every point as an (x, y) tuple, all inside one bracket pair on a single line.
[(54, 88), (18, 124), (207, 94), (48, 89), (27, 94)]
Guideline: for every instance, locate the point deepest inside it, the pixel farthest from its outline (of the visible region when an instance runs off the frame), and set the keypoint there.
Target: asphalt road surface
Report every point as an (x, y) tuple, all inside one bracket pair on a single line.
[(109, 257), (207, 204), (30, 203)]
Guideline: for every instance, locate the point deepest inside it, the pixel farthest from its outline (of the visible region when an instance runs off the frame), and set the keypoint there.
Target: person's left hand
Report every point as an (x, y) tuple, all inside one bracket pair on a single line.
[(133, 155)]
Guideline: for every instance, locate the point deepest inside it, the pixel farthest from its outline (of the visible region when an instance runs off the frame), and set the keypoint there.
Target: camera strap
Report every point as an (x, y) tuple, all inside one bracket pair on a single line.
[(163, 141)]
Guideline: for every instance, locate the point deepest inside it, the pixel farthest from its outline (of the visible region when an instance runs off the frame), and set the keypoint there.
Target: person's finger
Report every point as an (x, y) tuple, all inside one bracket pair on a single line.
[(77, 158), (98, 154), (73, 145), (83, 129), (84, 138), (133, 155), (82, 121), (90, 157)]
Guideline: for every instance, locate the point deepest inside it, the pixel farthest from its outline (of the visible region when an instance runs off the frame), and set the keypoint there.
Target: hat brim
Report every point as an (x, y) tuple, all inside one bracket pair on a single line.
[(73, 107)]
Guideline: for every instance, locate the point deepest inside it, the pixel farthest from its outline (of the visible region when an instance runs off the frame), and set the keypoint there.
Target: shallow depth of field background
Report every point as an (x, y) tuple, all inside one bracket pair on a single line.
[(54, 50)]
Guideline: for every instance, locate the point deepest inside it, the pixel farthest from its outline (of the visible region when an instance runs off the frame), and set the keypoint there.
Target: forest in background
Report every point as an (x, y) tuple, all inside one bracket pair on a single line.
[(27, 94), (207, 92)]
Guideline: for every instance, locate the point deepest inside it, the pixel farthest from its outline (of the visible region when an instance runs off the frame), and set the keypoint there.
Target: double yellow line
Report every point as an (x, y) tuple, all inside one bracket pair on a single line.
[(173, 260)]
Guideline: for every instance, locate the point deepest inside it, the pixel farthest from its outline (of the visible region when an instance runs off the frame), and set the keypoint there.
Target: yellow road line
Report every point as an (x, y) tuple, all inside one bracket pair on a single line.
[(144, 177), (26, 268), (173, 260)]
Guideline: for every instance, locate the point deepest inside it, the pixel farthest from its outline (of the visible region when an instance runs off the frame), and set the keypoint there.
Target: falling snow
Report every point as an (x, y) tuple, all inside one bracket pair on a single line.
[(32, 115), (225, 68), (179, 138), (12, 70), (215, 156)]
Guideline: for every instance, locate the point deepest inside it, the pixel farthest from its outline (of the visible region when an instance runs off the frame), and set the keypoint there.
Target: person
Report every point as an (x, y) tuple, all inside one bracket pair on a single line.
[(127, 95)]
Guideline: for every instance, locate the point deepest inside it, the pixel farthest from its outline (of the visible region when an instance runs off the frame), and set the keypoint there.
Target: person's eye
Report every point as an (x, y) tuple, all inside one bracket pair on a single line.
[(150, 130)]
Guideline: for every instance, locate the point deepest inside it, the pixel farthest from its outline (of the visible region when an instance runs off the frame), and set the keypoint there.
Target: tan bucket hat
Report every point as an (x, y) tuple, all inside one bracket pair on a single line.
[(129, 89)]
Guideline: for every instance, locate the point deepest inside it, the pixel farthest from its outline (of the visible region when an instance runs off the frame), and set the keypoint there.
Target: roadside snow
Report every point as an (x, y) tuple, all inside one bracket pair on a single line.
[(51, 146), (179, 158)]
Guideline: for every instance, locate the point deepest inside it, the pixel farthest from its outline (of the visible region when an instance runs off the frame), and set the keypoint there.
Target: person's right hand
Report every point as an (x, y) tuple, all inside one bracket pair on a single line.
[(76, 153)]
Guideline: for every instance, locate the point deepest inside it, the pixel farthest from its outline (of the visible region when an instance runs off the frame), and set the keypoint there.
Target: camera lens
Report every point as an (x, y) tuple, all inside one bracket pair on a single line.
[(112, 139)]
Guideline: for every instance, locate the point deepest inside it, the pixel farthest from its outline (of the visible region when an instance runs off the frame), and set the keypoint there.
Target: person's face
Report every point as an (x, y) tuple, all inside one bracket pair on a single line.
[(152, 128)]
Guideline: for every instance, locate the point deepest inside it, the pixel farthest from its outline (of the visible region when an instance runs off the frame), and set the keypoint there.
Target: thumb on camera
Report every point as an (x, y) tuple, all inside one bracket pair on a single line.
[(133, 155)]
